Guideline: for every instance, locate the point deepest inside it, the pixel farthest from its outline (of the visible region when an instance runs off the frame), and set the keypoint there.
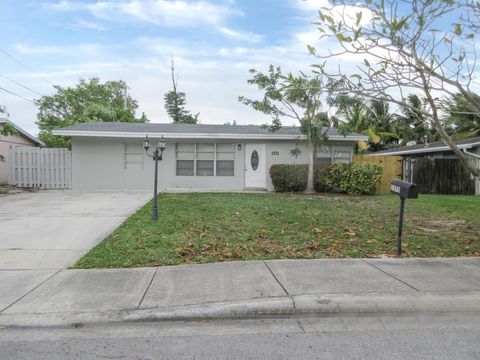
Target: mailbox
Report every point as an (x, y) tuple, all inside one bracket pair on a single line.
[(404, 189)]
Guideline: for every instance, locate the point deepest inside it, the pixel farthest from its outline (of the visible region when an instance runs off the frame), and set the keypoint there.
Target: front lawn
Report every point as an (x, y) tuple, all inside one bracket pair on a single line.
[(201, 227)]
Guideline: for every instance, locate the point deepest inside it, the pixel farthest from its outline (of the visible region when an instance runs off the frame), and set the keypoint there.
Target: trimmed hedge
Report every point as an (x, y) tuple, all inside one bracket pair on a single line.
[(355, 178), (289, 177)]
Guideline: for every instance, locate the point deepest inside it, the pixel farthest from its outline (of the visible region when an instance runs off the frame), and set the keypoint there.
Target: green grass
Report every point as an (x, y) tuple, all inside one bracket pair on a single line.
[(200, 228)]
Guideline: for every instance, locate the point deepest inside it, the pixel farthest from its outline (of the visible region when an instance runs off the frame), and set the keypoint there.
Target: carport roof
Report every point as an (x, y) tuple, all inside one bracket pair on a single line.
[(121, 129), (438, 146)]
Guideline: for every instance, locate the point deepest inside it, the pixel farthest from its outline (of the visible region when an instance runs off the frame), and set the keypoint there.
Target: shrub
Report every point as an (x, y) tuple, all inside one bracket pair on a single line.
[(355, 178), (289, 177)]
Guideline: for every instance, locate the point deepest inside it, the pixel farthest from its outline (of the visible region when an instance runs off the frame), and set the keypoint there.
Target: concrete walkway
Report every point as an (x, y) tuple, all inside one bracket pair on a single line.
[(239, 289), (53, 229)]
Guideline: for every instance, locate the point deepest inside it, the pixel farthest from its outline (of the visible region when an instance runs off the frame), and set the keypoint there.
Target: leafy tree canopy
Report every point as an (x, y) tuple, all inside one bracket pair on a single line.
[(89, 101), (463, 117)]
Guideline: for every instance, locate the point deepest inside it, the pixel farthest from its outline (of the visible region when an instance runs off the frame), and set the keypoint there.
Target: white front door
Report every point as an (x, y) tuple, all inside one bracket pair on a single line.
[(255, 166)]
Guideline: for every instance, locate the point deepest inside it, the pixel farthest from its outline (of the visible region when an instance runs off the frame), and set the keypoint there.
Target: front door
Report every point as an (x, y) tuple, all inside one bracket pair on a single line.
[(255, 166)]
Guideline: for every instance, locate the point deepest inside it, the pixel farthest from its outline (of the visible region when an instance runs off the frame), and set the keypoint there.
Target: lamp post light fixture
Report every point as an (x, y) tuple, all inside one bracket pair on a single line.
[(156, 155)]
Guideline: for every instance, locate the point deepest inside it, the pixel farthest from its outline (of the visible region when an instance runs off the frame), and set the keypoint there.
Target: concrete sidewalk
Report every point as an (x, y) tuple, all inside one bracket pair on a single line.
[(239, 290)]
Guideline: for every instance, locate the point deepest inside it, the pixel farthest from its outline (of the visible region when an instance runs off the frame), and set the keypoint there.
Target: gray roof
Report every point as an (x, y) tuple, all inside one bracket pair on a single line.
[(23, 132), (187, 128), (437, 146)]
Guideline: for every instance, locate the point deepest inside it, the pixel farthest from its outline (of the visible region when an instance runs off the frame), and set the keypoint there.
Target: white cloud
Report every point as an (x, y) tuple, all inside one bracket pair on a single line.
[(90, 50), (161, 12), (240, 35), (88, 25)]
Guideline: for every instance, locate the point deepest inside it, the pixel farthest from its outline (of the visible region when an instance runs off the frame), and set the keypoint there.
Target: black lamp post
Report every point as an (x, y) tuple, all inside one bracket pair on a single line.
[(156, 155)]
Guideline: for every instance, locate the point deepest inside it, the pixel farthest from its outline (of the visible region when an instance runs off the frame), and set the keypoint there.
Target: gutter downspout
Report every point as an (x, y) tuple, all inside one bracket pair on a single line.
[(471, 154)]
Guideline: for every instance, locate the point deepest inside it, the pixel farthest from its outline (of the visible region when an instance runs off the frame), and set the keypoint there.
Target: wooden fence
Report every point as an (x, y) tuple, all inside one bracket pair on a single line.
[(33, 167), (392, 168), (440, 176)]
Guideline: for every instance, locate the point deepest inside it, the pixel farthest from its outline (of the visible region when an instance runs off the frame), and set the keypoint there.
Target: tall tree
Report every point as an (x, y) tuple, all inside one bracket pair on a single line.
[(175, 102), (412, 123), (294, 97), (462, 117), (90, 100), (405, 46), (369, 118)]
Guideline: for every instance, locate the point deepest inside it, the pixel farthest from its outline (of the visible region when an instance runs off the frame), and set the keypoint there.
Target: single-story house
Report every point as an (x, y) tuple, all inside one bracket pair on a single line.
[(197, 156), (436, 169), (22, 138)]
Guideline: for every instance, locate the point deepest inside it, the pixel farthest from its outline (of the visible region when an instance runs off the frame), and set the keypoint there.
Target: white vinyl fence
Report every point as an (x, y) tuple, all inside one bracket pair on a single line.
[(33, 167)]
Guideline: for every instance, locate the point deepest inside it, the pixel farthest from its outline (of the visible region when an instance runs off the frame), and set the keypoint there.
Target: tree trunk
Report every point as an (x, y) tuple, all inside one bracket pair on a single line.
[(311, 168)]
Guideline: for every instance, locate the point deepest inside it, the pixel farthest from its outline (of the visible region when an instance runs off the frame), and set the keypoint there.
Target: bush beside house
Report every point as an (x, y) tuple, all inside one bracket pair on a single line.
[(340, 178)]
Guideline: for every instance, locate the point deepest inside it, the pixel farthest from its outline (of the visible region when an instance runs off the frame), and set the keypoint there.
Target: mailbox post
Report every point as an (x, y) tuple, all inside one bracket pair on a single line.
[(406, 190)]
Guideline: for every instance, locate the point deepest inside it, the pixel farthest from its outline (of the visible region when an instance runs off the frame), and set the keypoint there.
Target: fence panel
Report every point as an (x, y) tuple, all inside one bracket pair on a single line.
[(392, 168), (442, 176), (40, 168)]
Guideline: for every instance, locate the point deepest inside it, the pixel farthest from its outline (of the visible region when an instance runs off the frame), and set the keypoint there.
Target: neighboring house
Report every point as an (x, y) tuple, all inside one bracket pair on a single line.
[(23, 138), (436, 169), (198, 156)]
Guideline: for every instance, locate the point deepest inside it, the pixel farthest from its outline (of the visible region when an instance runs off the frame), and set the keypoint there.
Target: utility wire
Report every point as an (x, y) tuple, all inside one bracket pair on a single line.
[(19, 84), (26, 67), (20, 96)]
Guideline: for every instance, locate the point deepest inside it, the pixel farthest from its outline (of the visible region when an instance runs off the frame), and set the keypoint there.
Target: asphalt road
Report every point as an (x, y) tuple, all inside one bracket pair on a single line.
[(411, 337)]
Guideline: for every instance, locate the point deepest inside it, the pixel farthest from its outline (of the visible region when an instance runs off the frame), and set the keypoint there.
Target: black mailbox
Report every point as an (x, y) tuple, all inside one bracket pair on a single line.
[(405, 189)]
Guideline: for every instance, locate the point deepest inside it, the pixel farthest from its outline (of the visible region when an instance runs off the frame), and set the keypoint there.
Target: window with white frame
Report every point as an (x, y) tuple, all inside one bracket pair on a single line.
[(329, 154), (225, 159), (185, 154), (205, 156), (204, 159), (133, 156), (342, 153), (324, 155)]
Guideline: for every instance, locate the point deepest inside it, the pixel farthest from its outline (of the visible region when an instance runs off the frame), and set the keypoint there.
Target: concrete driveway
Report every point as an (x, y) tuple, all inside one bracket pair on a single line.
[(53, 229)]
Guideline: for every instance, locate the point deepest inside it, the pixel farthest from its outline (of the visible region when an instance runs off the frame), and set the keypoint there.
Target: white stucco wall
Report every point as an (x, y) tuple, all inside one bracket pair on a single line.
[(98, 163)]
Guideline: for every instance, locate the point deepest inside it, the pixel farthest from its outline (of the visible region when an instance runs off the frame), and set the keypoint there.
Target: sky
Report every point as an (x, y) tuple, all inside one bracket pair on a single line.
[(213, 44)]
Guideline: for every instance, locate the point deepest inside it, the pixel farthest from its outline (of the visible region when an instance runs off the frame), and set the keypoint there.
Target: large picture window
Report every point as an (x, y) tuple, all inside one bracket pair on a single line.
[(205, 159)]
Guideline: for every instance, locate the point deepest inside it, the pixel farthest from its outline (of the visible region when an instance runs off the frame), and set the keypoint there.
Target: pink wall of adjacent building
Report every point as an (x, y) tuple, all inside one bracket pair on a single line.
[(5, 143)]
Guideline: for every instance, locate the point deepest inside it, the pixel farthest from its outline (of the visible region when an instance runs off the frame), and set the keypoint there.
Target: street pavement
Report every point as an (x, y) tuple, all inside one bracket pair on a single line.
[(247, 289), (53, 229), (412, 337)]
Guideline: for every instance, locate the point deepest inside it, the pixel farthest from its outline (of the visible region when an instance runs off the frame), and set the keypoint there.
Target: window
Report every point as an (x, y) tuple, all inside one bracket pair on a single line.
[(133, 156), (328, 154), (185, 159), (324, 155), (225, 159), (341, 153), (205, 159)]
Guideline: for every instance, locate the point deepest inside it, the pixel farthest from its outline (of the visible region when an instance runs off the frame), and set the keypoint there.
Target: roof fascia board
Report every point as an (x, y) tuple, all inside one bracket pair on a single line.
[(425, 150), (23, 132), (116, 134)]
